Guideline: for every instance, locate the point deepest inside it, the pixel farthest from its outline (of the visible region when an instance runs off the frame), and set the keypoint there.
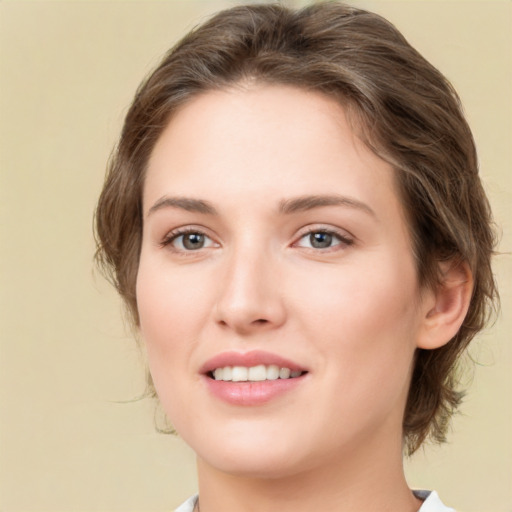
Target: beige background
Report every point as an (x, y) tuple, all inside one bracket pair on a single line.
[(68, 71)]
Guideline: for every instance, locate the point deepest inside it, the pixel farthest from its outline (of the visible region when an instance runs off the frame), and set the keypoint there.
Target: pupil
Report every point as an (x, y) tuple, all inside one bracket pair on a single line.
[(193, 241), (320, 240)]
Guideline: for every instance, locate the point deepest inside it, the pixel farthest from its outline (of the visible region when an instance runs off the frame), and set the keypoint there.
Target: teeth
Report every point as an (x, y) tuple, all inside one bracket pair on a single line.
[(257, 373), (254, 373), (284, 373), (272, 372), (239, 374)]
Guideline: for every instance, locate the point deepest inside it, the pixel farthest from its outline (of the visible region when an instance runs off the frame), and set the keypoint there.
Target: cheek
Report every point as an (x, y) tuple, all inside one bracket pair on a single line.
[(164, 319), (365, 295), (169, 302), (166, 312), (154, 303), (368, 323), (174, 305), (367, 318)]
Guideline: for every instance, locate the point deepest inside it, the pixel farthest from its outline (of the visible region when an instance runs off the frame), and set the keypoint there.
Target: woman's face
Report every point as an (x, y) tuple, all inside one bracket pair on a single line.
[(275, 245)]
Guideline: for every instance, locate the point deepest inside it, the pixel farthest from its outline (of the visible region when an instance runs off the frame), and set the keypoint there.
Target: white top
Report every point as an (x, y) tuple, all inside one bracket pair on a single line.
[(431, 503)]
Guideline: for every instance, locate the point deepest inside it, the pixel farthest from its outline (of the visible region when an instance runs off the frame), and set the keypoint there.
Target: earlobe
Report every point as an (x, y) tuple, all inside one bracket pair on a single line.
[(446, 306)]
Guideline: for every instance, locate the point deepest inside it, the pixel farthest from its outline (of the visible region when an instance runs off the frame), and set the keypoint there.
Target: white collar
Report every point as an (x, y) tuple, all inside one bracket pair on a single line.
[(431, 503)]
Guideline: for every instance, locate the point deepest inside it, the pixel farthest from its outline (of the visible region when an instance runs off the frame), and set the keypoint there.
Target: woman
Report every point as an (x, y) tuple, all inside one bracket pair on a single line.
[(294, 218)]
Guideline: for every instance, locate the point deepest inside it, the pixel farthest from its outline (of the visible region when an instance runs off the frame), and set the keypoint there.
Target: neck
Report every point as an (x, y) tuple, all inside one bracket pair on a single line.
[(369, 481)]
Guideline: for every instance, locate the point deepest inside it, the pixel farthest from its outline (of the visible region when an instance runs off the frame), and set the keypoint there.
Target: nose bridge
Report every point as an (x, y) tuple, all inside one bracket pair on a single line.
[(249, 295)]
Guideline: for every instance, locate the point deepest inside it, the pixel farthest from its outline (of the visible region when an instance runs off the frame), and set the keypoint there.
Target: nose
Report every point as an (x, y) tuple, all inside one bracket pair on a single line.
[(250, 294)]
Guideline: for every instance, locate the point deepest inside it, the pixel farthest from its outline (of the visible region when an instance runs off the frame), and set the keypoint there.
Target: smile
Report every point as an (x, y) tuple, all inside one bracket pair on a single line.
[(252, 378), (257, 373)]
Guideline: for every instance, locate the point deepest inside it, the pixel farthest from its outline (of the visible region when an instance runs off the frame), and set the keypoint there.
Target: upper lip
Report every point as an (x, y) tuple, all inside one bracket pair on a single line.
[(248, 359)]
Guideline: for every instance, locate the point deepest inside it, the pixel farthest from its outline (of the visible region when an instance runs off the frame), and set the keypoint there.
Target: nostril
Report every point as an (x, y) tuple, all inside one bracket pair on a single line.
[(260, 321)]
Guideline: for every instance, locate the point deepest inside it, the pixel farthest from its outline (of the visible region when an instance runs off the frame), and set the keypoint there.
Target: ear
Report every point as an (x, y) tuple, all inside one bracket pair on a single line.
[(446, 306)]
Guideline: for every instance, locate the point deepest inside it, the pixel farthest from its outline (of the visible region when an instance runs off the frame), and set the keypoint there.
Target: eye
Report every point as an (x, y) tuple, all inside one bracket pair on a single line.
[(323, 239), (189, 240)]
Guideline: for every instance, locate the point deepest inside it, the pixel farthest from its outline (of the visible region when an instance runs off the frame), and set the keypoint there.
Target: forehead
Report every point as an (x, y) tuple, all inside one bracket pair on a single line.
[(261, 136)]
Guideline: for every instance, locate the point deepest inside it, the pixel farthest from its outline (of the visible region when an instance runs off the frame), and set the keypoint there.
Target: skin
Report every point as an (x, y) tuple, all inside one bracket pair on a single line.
[(352, 313)]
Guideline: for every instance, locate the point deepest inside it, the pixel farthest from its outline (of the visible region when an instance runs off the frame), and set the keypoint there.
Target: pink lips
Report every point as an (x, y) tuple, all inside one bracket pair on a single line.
[(250, 393)]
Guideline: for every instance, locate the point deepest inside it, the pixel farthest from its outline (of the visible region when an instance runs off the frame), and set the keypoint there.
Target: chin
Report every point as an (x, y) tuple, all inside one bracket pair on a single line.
[(264, 466), (249, 455)]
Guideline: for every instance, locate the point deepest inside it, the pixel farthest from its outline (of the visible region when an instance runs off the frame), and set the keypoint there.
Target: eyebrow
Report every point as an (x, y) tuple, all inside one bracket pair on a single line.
[(309, 202), (185, 203), (286, 206)]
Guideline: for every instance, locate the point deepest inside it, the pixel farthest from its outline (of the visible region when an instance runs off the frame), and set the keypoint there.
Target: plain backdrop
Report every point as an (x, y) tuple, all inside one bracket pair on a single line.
[(72, 437)]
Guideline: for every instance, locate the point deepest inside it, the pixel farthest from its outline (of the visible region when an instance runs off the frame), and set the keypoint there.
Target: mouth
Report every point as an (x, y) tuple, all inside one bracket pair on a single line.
[(251, 378), (256, 373)]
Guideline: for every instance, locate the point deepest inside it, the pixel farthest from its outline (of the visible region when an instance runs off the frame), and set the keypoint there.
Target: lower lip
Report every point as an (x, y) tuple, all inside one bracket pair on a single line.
[(251, 393)]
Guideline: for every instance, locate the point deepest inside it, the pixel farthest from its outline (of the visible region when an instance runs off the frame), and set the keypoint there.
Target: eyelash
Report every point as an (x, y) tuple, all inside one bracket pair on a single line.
[(171, 237), (342, 239)]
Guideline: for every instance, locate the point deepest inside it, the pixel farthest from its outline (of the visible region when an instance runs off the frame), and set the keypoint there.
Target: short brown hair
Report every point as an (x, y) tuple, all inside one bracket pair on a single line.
[(405, 110)]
